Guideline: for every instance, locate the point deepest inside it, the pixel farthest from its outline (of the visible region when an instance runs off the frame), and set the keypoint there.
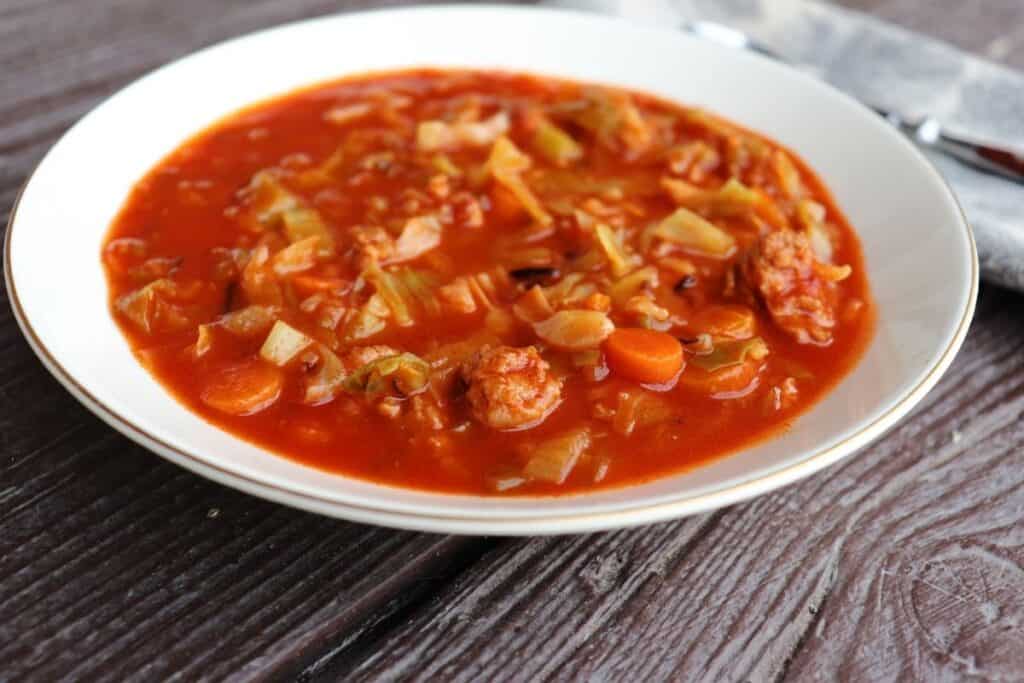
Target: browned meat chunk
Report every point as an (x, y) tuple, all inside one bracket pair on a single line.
[(797, 290), (511, 388)]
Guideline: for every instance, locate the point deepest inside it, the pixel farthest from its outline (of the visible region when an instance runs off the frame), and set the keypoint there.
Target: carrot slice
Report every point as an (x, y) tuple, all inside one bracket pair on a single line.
[(244, 388), (643, 355)]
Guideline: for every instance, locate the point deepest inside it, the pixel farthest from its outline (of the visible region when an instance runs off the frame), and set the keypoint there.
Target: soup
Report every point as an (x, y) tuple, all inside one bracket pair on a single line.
[(488, 283)]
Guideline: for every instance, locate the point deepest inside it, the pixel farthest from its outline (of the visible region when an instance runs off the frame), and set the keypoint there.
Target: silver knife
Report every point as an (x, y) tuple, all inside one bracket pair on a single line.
[(984, 155)]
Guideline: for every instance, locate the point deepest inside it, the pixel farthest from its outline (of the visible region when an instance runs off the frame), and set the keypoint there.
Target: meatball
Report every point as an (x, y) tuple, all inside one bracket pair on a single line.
[(783, 271), (511, 388)]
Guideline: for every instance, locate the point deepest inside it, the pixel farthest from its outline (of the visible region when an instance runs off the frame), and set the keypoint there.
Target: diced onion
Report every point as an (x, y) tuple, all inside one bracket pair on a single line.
[(342, 115), (368, 320), (618, 258), (575, 330), (247, 321), (639, 409), (269, 198), (389, 288), (150, 307), (556, 145), (533, 306), (420, 235), (301, 224), (442, 163), (259, 283), (297, 257), (811, 216), (788, 175), (326, 382), (628, 286), (432, 136), (553, 459), (694, 233), (283, 344), (731, 198), (204, 341)]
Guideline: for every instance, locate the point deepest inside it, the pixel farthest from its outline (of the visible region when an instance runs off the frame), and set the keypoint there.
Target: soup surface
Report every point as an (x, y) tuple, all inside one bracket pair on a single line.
[(488, 283)]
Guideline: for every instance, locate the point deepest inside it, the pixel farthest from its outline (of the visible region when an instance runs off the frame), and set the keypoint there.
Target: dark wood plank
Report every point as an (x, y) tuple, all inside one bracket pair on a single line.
[(115, 565)]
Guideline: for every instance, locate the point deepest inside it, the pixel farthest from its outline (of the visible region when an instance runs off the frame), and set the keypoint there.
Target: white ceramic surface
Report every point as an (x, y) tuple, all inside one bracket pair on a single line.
[(918, 248)]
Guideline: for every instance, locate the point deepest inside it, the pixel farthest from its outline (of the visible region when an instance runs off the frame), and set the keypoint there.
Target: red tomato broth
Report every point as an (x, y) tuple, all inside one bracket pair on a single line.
[(189, 204)]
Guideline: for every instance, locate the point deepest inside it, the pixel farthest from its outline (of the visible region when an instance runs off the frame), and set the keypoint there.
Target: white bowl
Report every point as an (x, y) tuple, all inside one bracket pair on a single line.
[(918, 247)]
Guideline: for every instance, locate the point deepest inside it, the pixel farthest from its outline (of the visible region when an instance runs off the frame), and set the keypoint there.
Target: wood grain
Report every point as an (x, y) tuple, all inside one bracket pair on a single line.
[(902, 563), (115, 565)]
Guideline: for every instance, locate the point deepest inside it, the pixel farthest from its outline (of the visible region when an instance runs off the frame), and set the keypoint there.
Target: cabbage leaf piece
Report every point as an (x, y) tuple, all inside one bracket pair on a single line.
[(400, 376), (729, 353)]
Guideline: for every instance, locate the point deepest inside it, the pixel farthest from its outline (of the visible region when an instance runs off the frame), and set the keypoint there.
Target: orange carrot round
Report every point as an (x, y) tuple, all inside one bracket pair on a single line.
[(644, 355), (244, 388)]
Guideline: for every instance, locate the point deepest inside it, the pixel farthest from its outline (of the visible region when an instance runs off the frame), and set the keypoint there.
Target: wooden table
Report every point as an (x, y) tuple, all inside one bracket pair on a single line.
[(904, 562)]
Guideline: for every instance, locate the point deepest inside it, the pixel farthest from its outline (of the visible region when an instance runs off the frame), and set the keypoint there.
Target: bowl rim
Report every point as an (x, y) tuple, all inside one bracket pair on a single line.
[(584, 521)]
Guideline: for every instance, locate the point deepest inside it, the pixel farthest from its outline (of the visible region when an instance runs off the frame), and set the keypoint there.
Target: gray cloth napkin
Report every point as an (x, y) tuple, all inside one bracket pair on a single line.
[(894, 68)]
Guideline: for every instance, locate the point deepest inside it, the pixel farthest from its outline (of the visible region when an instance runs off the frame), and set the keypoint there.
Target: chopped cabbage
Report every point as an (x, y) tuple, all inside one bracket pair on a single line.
[(811, 216), (389, 287), (433, 136), (247, 321), (401, 375), (301, 224), (296, 257), (728, 353), (204, 341), (342, 115), (445, 165), (556, 145), (553, 459), (694, 233), (614, 119), (269, 198), (506, 165), (575, 330), (618, 258), (628, 286), (151, 307), (368, 319), (788, 175), (283, 344), (420, 235)]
